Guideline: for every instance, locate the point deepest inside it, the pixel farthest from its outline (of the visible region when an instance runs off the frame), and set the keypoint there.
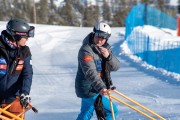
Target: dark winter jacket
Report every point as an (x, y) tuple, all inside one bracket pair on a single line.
[(14, 78), (89, 77)]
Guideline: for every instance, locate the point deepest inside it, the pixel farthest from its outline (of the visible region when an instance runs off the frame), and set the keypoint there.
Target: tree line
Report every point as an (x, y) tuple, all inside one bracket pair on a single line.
[(71, 13)]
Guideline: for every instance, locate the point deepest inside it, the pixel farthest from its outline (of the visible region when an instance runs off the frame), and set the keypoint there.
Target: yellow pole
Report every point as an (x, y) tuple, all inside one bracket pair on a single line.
[(112, 110), (10, 114), (139, 105), (7, 107), (4, 118), (133, 108)]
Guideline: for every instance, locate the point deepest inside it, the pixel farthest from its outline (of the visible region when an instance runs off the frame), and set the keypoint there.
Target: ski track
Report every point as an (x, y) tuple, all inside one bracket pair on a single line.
[(130, 81), (55, 50)]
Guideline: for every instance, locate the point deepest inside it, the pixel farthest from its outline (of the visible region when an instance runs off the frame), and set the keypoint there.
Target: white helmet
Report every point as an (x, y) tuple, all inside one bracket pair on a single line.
[(102, 29)]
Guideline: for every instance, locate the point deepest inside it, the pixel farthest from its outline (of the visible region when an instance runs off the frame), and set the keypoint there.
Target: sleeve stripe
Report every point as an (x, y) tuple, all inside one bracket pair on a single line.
[(87, 58)]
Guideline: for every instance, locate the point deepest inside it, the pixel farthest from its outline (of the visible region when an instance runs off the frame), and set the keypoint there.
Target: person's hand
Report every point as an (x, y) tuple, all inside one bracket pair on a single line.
[(103, 91), (104, 52), (24, 100)]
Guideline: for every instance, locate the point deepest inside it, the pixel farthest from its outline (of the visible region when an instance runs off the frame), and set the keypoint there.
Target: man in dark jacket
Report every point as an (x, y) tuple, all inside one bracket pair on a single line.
[(15, 65), (89, 81)]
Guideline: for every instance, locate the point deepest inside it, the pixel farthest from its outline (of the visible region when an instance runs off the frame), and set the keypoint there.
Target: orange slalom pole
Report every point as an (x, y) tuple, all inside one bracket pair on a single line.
[(178, 26), (139, 105)]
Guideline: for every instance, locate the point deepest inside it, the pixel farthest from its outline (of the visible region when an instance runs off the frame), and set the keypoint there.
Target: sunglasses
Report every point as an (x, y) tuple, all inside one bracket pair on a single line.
[(102, 35), (30, 33)]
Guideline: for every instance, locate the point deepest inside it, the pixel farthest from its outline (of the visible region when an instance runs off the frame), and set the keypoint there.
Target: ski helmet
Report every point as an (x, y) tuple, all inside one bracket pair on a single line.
[(20, 28), (103, 30)]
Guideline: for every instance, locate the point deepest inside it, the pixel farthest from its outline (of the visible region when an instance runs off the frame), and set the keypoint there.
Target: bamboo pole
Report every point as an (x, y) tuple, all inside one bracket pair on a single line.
[(128, 105), (143, 107), (4, 118), (10, 114), (112, 110)]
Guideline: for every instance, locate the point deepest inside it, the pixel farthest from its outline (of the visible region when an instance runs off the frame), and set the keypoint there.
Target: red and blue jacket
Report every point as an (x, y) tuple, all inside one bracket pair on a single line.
[(15, 72)]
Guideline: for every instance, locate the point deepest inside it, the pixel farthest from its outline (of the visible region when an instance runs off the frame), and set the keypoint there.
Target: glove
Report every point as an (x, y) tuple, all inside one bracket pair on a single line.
[(103, 92), (24, 100)]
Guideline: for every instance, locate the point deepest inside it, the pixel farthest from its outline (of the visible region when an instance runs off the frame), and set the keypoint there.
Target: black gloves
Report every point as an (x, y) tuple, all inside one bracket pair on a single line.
[(24, 100)]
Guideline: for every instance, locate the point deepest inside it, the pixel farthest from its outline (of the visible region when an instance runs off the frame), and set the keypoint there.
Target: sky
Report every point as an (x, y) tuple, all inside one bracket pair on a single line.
[(54, 53)]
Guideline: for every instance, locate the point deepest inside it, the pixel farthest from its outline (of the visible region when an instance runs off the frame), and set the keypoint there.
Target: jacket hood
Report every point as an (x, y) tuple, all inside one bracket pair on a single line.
[(7, 40), (88, 39)]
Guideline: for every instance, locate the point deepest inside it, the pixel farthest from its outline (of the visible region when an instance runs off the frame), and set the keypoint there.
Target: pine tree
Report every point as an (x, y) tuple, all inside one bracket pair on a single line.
[(145, 1), (91, 16), (53, 13), (27, 10), (42, 13), (77, 6), (2, 10), (120, 13), (68, 14), (161, 5), (106, 11), (17, 13)]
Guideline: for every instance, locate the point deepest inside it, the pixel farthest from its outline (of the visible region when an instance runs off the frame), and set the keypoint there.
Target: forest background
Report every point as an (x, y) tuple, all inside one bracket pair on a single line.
[(76, 12)]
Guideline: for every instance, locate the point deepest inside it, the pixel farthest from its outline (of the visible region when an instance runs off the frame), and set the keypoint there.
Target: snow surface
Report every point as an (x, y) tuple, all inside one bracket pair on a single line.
[(55, 49)]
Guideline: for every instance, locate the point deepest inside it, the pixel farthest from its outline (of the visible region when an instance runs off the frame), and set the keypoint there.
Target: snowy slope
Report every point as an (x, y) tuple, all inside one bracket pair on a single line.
[(55, 49)]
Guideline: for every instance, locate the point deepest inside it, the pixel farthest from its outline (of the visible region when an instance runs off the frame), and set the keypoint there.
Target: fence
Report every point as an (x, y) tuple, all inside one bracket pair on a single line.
[(161, 54), (142, 14), (155, 52)]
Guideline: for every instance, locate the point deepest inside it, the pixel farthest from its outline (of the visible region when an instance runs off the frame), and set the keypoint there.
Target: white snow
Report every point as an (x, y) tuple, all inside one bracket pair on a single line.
[(154, 32), (55, 49)]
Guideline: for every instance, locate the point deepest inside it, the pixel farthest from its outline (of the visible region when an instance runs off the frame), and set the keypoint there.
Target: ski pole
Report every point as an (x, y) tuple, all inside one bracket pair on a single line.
[(33, 108), (30, 107)]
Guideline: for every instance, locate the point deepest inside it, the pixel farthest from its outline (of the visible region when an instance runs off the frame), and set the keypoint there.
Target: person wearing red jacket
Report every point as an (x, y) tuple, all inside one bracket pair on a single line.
[(15, 65)]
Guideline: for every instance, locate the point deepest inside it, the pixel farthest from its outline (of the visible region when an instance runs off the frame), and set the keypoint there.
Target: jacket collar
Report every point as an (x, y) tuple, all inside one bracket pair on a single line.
[(6, 41)]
